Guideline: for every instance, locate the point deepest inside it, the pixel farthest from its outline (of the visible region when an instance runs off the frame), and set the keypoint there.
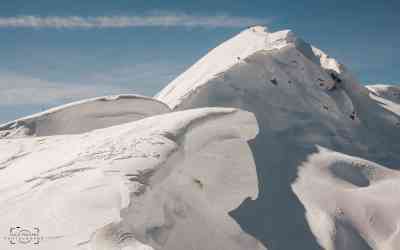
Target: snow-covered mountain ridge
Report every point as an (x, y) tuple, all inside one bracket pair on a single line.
[(232, 52), (265, 142), (85, 115), (305, 101)]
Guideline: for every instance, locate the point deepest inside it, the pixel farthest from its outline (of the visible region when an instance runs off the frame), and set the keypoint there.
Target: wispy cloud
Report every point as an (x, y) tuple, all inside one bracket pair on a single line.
[(143, 78), (25, 90), (22, 94), (153, 20)]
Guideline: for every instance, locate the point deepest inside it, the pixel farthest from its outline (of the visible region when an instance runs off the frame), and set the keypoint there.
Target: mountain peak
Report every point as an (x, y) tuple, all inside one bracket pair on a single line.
[(232, 52)]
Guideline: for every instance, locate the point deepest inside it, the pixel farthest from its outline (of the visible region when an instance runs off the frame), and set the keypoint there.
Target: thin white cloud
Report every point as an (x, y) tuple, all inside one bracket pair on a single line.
[(25, 90), (153, 20), (143, 78)]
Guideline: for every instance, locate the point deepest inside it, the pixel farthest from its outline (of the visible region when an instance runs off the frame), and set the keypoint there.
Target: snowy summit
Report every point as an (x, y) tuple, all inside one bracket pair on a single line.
[(265, 143)]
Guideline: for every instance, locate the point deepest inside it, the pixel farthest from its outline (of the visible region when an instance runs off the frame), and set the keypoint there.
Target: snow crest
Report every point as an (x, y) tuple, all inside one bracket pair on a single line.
[(264, 139), (139, 185), (303, 100), (85, 115), (222, 58)]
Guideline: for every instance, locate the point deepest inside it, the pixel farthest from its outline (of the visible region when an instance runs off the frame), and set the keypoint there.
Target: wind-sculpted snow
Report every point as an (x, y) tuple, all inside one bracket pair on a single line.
[(389, 92), (83, 116), (351, 203), (224, 57), (302, 99), (320, 171), (164, 182)]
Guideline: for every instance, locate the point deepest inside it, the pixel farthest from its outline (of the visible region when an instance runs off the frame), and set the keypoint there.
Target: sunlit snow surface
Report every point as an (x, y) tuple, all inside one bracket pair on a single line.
[(322, 137), (83, 116), (166, 181), (266, 142)]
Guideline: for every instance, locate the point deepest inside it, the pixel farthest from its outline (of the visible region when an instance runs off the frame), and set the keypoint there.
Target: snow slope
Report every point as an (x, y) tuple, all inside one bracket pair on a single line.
[(364, 214), (223, 57), (164, 182), (85, 115), (389, 92), (319, 171), (303, 100)]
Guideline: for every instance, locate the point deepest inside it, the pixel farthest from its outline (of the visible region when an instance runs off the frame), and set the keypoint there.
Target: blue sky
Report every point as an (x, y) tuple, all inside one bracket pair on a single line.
[(45, 66)]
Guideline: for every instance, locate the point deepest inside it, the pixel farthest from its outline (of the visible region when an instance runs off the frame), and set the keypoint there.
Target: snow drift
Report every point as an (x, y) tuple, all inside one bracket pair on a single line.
[(83, 116), (319, 171), (389, 92), (303, 100), (351, 202), (141, 185)]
